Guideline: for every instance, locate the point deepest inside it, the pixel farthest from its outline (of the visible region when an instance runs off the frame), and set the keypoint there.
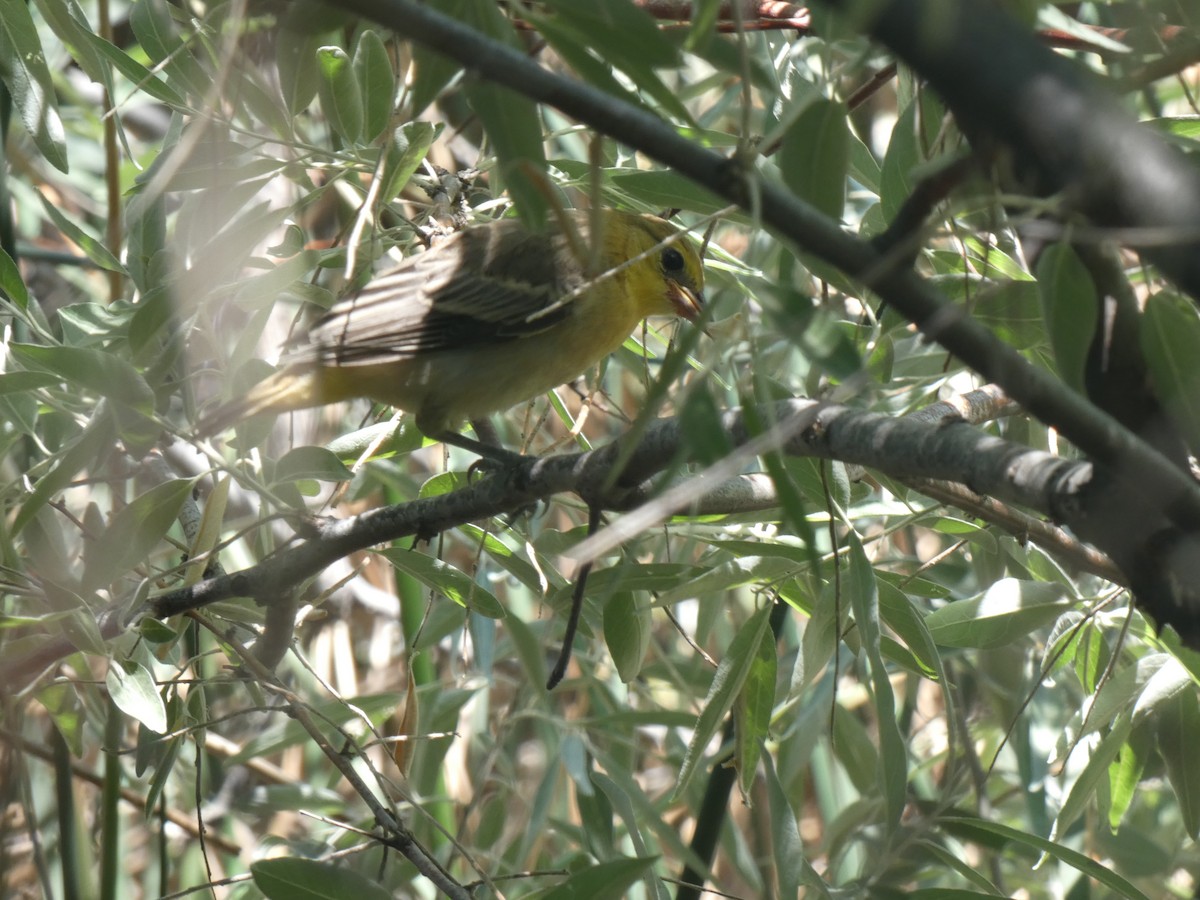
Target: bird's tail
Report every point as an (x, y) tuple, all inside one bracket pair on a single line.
[(287, 389)]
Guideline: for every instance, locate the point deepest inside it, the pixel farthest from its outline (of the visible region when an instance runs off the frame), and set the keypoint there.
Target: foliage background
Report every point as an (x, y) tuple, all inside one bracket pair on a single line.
[(926, 700)]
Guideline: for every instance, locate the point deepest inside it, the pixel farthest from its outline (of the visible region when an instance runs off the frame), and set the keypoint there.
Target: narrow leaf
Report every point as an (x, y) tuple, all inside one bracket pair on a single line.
[(815, 155), (726, 684), (1070, 308), (23, 69), (132, 689), (134, 532), (447, 580), (605, 881), (309, 879), (341, 98), (1170, 336)]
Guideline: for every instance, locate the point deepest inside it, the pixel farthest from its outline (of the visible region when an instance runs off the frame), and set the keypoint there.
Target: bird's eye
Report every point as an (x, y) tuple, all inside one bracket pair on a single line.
[(672, 260)]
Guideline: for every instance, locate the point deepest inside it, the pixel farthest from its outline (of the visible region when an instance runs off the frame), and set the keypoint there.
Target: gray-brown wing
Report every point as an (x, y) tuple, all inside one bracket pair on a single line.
[(485, 284)]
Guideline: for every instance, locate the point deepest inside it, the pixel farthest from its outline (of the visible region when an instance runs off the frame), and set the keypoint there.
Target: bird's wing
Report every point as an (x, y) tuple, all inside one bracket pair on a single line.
[(487, 284)]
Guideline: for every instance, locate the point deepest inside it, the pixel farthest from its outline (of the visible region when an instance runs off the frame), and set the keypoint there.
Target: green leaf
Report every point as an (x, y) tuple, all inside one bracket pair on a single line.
[(1007, 611), (514, 127), (609, 880), (861, 586), (309, 879), (902, 157), (11, 283), (1070, 308), (92, 248), (627, 631), (295, 50), (1178, 737), (752, 712), (341, 97), (95, 441), (667, 189), (92, 370), (155, 30), (1095, 771), (622, 35), (132, 689), (23, 69), (1170, 335), (376, 82), (446, 579), (71, 26), (620, 32), (134, 532), (405, 151), (62, 703), (1125, 773), (330, 714), (982, 829), (311, 462), (143, 78), (727, 683), (815, 155)]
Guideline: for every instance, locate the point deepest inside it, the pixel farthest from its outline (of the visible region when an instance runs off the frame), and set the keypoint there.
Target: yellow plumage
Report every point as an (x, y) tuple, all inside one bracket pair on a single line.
[(493, 316)]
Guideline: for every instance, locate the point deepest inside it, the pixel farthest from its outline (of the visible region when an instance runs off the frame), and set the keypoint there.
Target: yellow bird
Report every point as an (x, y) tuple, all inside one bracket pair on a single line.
[(493, 316)]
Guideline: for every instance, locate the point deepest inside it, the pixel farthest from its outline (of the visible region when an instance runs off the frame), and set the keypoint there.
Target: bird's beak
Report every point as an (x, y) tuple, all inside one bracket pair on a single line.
[(688, 303)]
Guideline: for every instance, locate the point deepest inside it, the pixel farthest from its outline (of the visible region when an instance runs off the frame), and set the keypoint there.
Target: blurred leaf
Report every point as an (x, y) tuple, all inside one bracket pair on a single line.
[(133, 70), (406, 151), (94, 249), (310, 879), (134, 532), (609, 880), (446, 580), (11, 282), (752, 711), (62, 703), (1170, 335), (295, 54), (815, 155), (1125, 772), (627, 631), (311, 462), (1072, 858), (863, 591), (896, 179), (156, 32), (666, 189), (1094, 773), (514, 127), (623, 35), (1071, 310), (284, 733), (71, 26), (727, 683), (1178, 737), (91, 370), (1007, 611), (96, 439), (23, 69)]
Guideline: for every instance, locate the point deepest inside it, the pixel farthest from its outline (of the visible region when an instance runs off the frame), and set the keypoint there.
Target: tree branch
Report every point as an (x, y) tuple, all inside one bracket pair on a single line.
[(903, 448)]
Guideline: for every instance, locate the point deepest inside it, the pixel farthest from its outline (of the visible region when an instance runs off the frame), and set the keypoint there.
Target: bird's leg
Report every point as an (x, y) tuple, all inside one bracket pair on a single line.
[(486, 445), (581, 577), (486, 432)]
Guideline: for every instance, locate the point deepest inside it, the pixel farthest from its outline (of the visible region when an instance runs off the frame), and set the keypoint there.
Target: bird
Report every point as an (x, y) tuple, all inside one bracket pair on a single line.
[(492, 316)]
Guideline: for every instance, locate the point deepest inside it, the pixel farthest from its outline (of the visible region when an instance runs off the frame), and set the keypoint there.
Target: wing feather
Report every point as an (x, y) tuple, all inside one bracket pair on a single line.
[(489, 283)]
